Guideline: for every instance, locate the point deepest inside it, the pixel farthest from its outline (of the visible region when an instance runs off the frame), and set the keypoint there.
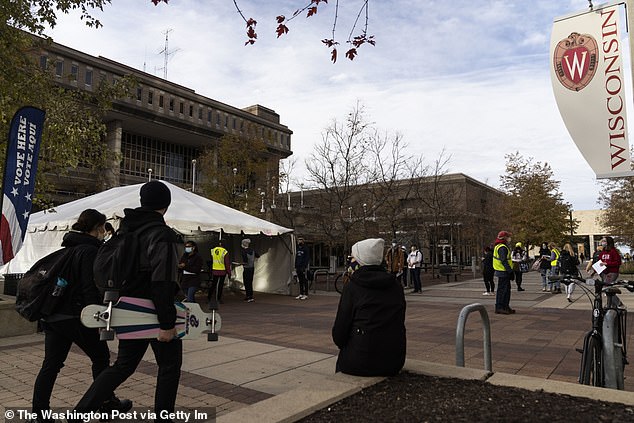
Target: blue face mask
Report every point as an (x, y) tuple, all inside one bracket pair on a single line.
[(188, 250)]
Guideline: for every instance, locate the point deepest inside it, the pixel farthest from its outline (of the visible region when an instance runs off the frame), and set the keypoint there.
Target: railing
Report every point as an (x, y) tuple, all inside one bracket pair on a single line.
[(486, 326), (320, 272)]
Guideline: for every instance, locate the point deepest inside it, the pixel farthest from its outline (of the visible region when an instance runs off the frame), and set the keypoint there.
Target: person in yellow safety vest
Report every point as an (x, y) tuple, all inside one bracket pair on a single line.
[(220, 268), (503, 267), (554, 267)]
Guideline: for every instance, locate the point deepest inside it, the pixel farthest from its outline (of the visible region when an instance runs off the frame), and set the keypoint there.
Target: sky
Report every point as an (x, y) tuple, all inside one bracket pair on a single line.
[(471, 78)]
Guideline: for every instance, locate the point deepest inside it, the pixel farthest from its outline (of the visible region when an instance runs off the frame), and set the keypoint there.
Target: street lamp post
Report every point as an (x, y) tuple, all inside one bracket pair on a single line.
[(262, 210), (193, 175), (149, 174)]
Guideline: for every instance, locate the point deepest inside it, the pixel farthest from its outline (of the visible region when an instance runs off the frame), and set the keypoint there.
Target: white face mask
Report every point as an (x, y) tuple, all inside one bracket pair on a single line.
[(188, 250)]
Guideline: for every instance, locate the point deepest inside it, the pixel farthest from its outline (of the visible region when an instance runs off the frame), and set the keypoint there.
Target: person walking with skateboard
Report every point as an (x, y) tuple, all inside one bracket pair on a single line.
[(156, 279), (63, 328)]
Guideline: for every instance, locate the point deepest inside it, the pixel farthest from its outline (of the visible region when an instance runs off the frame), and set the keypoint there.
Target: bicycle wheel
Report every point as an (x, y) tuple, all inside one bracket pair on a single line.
[(591, 370), (339, 283)]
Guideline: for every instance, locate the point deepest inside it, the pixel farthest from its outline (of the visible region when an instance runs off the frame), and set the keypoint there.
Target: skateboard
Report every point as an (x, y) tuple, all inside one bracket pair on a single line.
[(135, 318)]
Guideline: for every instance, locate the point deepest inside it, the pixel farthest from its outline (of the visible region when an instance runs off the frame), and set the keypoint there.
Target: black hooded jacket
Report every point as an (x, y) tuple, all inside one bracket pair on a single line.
[(81, 289), (370, 325), (158, 277)]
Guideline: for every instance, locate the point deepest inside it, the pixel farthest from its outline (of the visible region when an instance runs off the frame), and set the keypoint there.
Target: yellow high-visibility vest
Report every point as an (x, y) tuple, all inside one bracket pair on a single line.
[(497, 263), (218, 257), (555, 262)]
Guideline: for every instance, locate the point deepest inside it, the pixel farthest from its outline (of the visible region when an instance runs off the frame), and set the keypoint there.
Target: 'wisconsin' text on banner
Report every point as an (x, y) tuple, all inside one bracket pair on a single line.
[(18, 184), (589, 87)]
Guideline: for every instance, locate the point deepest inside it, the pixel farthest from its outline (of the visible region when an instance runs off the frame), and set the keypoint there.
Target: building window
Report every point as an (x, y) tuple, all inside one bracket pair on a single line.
[(208, 115), (161, 101), (234, 123), (139, 93), (74, 71), (150, 97), (226, 121), (59, 68), (88, 77), (182, 108), (170, 162), (171, 104), (191, 110), (218, 118), (43, 62), (200, 113)]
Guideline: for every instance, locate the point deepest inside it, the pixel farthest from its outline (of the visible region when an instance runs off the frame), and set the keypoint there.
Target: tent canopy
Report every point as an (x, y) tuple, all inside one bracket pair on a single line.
[(187, 212)]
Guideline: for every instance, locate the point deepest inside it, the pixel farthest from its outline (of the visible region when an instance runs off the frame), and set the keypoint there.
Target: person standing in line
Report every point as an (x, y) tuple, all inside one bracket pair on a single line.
[(220, 268), (404, 274), (156, 279), (518, 257), (554, 267), (63, 328), (248, 268), (544, 266), (369, 328), (191, 263), (414, 261), (503, 267), (394, 260), (487, 271), (301, 265), (611, 258)]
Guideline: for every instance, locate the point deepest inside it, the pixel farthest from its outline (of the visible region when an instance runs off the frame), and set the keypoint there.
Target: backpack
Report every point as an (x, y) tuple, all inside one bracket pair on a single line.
[(34, 297), (568, 264), (119, 260)]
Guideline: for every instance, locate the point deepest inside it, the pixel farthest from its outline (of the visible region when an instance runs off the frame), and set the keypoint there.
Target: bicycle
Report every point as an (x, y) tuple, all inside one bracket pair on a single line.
[(604, 352), (342, 279)]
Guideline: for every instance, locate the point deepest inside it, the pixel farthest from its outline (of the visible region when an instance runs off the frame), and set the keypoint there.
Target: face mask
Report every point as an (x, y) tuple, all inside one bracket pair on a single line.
[(188, 250), (394, 244), (604, 244)]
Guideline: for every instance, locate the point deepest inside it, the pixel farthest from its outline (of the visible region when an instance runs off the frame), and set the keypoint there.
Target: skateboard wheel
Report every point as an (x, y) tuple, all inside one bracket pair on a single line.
[(106, 335), (110, 296), (212, 337)]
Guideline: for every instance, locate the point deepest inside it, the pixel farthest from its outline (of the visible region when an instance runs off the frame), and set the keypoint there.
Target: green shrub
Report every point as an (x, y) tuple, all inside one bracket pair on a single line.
[(627, 267)]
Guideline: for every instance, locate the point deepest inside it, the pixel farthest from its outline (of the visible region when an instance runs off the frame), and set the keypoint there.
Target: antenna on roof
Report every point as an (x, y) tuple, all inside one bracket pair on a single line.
[(166, 52)]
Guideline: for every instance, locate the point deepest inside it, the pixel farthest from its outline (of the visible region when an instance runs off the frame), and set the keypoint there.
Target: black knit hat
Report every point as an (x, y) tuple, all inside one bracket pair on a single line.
[(155, 195)]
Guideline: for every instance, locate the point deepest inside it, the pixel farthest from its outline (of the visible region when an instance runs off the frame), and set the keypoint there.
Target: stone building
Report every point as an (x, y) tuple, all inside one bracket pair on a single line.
[(161, 130)]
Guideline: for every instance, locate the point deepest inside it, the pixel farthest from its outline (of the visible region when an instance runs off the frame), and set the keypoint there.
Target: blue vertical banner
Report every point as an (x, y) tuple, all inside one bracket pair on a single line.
[(18, 183)]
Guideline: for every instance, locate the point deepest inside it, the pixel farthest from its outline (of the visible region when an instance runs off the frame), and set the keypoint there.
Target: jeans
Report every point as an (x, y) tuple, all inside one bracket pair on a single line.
[(303, 281), (169, 357), (415, 276), (247, 279), (58, 339), (503, 295), (191, 294), (554, 271), (544, 273)]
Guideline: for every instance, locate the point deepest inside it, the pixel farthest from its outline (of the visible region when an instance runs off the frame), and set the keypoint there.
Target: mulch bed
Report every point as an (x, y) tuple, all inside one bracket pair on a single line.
[(411, 397)]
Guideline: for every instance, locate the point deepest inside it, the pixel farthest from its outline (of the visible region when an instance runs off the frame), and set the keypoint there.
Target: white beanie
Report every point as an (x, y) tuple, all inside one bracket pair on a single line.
[(369, 251), (245, 243)]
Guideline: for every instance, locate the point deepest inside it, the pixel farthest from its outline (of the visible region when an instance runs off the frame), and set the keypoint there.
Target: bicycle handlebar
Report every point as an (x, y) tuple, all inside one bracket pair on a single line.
[(568, 279)]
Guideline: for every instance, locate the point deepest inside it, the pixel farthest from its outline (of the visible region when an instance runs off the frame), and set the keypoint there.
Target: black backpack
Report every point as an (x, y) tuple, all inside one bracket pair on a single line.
[(119, 260), (568, 264), (34, 297)]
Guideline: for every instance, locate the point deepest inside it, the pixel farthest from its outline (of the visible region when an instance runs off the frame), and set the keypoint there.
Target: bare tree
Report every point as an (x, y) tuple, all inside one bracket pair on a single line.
[(338, 168)]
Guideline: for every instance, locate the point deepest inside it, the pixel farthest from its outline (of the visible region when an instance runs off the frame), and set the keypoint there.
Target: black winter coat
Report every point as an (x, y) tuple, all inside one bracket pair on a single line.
[(81, 289), (370, 325), (158, 278)]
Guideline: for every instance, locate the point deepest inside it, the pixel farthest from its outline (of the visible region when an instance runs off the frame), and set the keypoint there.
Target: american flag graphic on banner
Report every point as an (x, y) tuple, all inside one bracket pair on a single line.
[(18, 184)]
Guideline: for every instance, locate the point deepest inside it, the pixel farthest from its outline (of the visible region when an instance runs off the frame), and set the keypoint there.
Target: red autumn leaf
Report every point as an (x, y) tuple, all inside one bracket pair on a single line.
[(250, 42), (350, 54), (281, 30), (251, 33), (333, 55), (311, 11), (280, 19), (156, 2), (329, 42), (252, 22)]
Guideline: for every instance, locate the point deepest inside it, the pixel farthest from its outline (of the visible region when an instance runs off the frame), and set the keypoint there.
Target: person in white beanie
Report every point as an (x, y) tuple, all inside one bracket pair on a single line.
[(369, 328), (248, 268)]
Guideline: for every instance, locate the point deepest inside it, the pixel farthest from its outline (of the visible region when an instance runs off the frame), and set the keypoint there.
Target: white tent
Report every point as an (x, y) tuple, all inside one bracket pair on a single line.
[(191, 215)]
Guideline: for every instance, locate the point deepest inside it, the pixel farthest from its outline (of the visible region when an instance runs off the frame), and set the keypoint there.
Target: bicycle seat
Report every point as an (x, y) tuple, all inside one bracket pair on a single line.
[(612, 290)]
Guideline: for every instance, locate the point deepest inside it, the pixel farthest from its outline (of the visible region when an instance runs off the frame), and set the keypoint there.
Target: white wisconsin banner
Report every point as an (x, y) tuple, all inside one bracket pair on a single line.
[(589, 86)]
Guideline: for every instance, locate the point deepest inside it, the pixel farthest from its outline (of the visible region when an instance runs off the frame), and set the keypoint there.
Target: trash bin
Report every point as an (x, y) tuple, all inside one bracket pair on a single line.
[(11, 283)]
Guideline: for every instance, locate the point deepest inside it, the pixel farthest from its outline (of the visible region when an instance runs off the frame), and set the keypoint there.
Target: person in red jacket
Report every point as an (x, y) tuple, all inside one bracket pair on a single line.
[(611, 257)]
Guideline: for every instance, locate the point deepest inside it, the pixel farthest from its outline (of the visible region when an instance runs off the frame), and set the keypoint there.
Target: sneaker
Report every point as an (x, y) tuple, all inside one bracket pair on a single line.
[(304, 297), (299, 297), (569, 300), (486, 293), (502, 311), (510, 310), (521, 289), (250, 300), (114, 403), (544, 289)]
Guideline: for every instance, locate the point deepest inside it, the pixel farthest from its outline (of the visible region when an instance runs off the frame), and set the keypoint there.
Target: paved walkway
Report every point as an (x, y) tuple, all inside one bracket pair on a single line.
[(275, 358)]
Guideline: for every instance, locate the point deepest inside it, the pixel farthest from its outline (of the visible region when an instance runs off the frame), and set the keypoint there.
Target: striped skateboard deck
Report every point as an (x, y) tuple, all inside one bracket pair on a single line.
[(135, 318)]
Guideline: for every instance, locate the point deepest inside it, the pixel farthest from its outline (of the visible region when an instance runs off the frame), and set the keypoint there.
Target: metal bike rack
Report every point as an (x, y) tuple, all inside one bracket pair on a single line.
[(486, 329), (319, 272), (612, 371)]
